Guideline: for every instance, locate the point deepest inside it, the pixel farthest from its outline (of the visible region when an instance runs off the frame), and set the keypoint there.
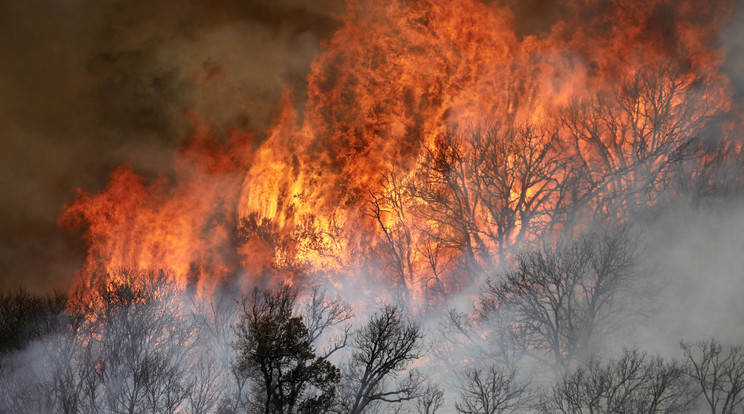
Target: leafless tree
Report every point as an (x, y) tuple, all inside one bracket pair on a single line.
[(205, 388), (322, 313), (464, 336), (492, 391), (136, 343), (634, 383), (124, 346), (214, 382), (486, 188), (406, 248), (48, 375), (382, 349), (627, 142), (718, 375), (430, 401), (479, 193), (141, 341), (40, 370), (25, 317), (557, 303), (389, 210), (712, 171)]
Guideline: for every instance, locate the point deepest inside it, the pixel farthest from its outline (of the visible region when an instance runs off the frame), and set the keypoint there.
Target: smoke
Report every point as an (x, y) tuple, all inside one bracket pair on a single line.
[(88, 86), (91, 85), (695, 263), (731, 42), (533, 17)]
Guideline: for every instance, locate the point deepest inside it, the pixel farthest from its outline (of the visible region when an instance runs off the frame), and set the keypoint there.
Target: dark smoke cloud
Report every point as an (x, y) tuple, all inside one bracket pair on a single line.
[(88, 85)]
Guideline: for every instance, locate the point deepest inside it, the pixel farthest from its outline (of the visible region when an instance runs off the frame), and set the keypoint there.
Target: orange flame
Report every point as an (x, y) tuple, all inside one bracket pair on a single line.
[(384, 173)]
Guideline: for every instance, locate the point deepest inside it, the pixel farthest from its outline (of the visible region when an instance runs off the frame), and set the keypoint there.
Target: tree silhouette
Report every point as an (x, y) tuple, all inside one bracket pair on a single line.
[(633, 383), (276, 353), (492, 391), (382, 349), (719, 375), (557, 303)]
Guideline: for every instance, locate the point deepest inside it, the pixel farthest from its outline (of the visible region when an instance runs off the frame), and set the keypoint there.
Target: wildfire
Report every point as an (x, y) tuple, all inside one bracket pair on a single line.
[(435, 138)]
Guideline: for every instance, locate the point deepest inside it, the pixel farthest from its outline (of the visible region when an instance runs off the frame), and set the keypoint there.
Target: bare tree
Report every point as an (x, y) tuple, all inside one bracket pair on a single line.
[(381, 350), (48, 375), (479, 193), (712, 171), (321, 314), (141, 341), (124, 347), (38, 349), (407, 247), (430, 401), (492, 391), (214, 381), (464, 337), (205, 387), (136, 343), (626, 142), (389, 209), (634, 383), (557, 303), (25, 317), (719, 375), (487, 188)]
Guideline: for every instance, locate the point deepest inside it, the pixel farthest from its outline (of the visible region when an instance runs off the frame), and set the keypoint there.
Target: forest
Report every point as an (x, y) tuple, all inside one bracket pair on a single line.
[(457, 214)]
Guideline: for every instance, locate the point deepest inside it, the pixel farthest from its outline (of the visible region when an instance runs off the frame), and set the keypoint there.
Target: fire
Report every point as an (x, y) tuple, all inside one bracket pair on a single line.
[(435, 139), (182, 224)]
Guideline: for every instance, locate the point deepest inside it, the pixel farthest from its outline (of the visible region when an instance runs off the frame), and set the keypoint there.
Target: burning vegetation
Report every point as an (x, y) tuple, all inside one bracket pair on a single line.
[(445, 154), (435, 142)]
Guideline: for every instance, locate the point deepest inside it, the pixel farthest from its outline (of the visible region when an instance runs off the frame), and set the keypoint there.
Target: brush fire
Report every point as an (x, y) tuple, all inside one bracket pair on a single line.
[(466, 208)]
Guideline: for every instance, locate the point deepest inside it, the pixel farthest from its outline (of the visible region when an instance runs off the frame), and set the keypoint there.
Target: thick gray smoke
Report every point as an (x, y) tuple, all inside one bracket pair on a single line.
[(698, 273)]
